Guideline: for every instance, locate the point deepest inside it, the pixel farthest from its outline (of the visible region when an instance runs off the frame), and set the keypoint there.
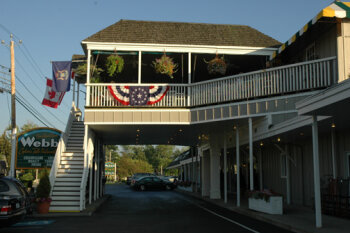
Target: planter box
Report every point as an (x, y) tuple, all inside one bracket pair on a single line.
[(274, 206)]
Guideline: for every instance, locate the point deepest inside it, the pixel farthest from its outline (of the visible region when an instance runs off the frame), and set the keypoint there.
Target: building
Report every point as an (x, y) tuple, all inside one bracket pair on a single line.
[(257, 113)]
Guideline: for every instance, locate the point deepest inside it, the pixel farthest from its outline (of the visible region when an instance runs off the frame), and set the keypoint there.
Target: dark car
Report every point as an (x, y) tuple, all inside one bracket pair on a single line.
[(152, 183), (128, 180), (15, 201)]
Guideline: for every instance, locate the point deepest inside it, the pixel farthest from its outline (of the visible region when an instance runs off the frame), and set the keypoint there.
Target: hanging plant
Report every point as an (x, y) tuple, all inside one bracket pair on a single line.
[(216, 66), (95, 72), (165, 65), (114, 64)]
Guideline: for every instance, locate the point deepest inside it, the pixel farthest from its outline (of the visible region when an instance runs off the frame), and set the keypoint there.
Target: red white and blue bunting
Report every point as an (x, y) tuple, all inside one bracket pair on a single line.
[(138, 95)]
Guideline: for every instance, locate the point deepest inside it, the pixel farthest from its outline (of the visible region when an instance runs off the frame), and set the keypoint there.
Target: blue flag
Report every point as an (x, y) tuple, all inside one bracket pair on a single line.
[(138, 95), (61, 75)]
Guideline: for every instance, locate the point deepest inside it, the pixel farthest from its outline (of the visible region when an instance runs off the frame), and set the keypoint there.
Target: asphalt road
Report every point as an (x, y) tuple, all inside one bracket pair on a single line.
[(150, 212)]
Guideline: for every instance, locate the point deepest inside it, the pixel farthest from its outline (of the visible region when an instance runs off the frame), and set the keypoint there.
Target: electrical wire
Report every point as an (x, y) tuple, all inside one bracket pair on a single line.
[(23, 105)]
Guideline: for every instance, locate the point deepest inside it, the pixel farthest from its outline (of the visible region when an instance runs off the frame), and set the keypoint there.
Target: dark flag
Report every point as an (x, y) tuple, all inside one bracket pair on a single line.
[(61, 75), (138, 95)]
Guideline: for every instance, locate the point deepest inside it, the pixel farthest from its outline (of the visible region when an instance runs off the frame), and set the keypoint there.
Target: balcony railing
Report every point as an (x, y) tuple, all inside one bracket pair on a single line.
[(281, 80)]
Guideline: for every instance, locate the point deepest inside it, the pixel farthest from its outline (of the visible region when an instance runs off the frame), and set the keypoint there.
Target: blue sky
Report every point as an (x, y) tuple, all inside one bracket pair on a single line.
[(53, 30)]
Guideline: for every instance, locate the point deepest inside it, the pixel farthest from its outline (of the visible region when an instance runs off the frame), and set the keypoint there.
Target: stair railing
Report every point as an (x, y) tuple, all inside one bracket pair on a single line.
[(61, 147)]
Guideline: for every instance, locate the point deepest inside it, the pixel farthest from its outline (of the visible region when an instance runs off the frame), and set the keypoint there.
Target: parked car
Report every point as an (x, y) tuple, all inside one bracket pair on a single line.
[(15, 202), (171, 179), (152, 183)]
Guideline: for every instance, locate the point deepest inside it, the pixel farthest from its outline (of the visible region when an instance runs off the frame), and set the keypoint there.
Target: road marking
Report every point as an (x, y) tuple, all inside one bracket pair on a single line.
[(223, 217)]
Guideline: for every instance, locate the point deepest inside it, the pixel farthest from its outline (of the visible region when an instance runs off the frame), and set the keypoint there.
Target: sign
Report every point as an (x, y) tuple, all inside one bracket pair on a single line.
[(36, 148), (109, 169)]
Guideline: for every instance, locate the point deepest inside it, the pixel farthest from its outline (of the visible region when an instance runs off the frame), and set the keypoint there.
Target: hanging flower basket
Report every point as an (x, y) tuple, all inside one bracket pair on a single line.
[(95, 72), (165, 65), (114, 64), (217, 66)]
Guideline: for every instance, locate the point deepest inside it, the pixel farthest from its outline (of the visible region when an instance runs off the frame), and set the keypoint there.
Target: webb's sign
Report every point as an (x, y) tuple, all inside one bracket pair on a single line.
[(36, 148)]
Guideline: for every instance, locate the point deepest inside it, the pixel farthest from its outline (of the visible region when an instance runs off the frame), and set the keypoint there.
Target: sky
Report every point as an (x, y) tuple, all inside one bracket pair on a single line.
[(53, 31)]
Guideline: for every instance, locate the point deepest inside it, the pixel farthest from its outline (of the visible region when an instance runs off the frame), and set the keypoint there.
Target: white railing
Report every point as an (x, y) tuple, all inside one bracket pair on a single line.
[(88, 157), (61, 147), (275, 81), (281, 80), (101, 96)]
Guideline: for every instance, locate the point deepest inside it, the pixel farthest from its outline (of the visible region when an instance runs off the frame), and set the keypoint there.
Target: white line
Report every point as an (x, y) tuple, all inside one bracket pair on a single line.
[(227, 219)]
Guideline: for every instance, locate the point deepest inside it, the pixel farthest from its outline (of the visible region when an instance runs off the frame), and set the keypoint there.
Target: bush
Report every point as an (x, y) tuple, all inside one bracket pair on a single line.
[(44, 188)]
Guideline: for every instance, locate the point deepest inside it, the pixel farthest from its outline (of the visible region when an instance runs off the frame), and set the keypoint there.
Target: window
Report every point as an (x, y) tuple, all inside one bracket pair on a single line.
[(310, 52), (3, 187)]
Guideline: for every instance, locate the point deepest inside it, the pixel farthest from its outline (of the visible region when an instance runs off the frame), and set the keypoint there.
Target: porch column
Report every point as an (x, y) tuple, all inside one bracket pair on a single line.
[(225, 170), (139, 68), (333, 153), (205, 174), (316, 172), (78, 95), (238, 176), (288, 175), (261, 186), (88, 78), (189, 79), (214, 172), (251, 160)]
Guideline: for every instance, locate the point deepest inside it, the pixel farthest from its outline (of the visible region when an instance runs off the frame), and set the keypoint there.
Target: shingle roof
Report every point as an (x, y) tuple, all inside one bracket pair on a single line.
[(153, 32)]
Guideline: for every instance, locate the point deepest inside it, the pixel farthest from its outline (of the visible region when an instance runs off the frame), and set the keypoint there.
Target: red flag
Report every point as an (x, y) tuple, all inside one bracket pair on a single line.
[(52, 98)]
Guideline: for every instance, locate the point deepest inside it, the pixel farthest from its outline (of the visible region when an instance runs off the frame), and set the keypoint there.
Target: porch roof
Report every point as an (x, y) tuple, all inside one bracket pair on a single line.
[(335, 10), (153, 32)]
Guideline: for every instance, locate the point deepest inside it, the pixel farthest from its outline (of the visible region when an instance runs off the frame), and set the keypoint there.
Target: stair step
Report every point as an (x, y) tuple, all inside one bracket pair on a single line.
[(67, 183), (72, 162), (69, 175), (70, 166), (71, 158), (65, 198), (72, 154), (64, 208), (68, 179), (66, 189), (65, 193), (65, 203)]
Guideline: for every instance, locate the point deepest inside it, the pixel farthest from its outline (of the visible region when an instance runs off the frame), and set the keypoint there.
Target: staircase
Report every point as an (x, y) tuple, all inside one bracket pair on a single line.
[(66, 190)]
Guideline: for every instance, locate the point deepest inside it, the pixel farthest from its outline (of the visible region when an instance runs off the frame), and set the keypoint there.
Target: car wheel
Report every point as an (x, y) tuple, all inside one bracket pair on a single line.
[(142, 187), (168, 187)]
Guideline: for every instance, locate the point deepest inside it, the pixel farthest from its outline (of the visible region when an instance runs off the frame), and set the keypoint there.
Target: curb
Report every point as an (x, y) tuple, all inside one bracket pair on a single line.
[(249, 213), (89, 211)]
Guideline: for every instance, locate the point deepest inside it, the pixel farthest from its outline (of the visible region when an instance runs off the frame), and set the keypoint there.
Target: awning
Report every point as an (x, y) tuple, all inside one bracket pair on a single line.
[(335, 10)]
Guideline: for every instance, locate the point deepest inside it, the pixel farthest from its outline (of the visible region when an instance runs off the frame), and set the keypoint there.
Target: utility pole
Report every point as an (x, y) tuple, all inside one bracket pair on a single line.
[(13, 107)]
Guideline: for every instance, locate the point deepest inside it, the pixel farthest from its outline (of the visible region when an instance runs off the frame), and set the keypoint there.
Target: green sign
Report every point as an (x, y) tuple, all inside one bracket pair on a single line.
[(36, 148), (110, 168)]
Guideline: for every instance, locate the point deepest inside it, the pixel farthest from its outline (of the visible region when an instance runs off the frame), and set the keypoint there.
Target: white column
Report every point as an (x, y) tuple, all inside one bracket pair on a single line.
[(333, 154), (189, 80), (225, 170), (140, 66), (78, 95), (238, 169), (205, 174), (261, 185), (251, 160), (288, 175), (214, 172), (88, 78), (316, 172)]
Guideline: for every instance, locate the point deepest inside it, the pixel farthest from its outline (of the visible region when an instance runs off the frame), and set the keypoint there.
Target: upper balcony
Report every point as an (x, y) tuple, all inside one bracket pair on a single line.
[(282, 80)]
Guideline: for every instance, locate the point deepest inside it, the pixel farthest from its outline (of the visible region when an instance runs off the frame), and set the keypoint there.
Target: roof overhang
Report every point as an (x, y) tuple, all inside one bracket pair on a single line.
[(335, 10), (332, 101), (179, 48)]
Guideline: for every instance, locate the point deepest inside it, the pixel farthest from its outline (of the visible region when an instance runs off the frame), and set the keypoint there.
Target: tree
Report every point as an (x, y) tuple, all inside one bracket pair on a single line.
[(27, 126), (113, 152)]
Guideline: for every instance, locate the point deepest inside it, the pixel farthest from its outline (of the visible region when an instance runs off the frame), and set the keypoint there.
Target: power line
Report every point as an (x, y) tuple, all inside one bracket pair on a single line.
[(23, 104)]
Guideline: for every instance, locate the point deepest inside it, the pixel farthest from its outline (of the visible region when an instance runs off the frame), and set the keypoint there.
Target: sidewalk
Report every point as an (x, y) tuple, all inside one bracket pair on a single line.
[(90, 209), (295, 218)]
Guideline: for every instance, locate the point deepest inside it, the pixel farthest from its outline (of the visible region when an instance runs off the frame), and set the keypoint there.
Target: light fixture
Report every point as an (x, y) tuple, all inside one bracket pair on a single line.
[(138, 130), (234, 127), (278, 139), (301, 134), (333, 125), (180, 130), (261, 143)]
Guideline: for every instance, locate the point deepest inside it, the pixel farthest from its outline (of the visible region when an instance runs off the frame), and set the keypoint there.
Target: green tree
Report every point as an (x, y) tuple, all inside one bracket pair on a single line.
[(112, 151)]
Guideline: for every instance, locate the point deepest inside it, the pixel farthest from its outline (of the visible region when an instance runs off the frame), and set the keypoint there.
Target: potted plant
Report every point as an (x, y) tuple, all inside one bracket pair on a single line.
[(265, 201), (43, 199), (95, 72), (217, 66), (114, 64), (165, 65)]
